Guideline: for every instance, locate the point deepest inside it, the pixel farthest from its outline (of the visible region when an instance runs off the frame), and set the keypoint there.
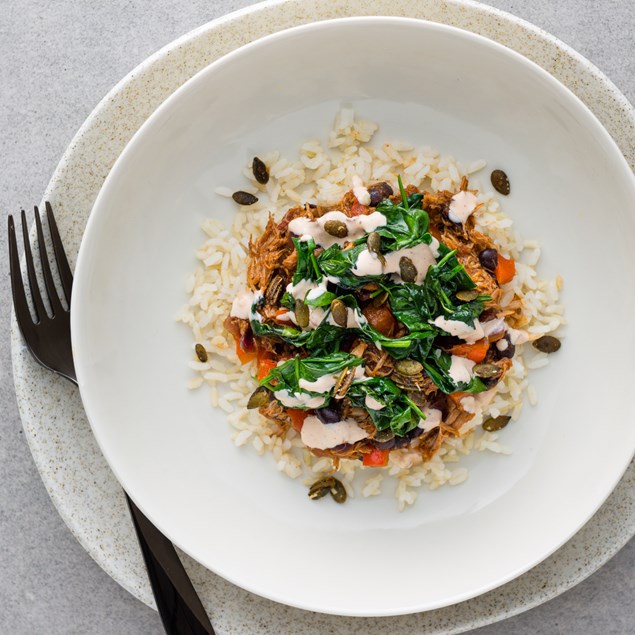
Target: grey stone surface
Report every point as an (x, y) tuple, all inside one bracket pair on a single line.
[(57, 59)]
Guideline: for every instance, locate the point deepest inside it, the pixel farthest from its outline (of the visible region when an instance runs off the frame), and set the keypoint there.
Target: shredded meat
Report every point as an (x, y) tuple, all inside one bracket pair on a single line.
[(275, 411), (273, 255), (267, 254), (378, 363)]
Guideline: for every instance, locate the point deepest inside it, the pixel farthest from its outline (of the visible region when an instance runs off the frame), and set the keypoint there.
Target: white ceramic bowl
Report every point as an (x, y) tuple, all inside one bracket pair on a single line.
[(230, 509)]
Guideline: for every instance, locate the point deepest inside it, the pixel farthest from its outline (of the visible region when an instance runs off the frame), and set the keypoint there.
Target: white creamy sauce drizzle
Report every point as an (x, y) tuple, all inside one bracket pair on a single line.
[(307, 290), (322, 384), (304, 287), (357, 226), (460, 329), (316, 316), (254, 315), (462, 205), (301, 399), (461, 369), (492, 327), (360, 192), (432, 420), (241, 306), (322, 436), (421, 255), (372, 404)]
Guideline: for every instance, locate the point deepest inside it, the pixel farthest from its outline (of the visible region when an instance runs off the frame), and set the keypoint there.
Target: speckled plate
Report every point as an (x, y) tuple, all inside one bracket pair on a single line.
[(82, 487)]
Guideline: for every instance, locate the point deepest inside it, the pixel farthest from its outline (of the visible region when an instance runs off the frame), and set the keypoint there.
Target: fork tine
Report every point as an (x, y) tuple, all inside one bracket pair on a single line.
[(63, 267), (40, 310), (22, 313), (54, 299)]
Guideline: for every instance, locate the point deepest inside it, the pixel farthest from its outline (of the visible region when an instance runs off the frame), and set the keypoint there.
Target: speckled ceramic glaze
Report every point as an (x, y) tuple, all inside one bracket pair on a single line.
[(76, 475)]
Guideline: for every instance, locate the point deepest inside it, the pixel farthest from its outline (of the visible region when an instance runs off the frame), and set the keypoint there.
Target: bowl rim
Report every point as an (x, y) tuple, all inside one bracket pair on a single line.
[(119, 167)]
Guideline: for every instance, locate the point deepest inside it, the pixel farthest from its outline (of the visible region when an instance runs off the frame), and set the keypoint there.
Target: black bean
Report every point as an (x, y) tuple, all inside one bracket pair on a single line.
[(401, 442), (414, 433), (244, 198), (500, 181), (260, 171), (507, 352), (379, 192), (386, 445), (489, 259), (328, 414)]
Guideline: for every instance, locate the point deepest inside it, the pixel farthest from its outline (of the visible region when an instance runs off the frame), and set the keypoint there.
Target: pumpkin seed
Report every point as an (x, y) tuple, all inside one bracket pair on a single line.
[(301, 314), (487, 371), (338, 492), (261, 173), (274, 290), (344, 382), (201, 353), (339, 311), (336, 228), (496, 423), (380, 299), (373, 243), (408, 367), (500, 181), (321, 487), (547, 344), (318, 492), (408, 382), (407, 269), (259, 397), (417, 397), (468, 296), (244, 198), (384, 435)]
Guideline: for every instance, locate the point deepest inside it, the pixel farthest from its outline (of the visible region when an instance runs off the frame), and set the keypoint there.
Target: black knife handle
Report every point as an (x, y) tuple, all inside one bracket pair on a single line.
[(179, 606)]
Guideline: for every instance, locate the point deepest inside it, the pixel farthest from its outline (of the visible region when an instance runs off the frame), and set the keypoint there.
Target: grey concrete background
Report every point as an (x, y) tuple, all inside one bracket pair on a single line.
[(57, 59)]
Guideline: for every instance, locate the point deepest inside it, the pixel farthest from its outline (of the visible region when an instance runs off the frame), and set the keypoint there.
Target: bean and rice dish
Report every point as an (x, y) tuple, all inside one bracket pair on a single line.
[(371, 307)]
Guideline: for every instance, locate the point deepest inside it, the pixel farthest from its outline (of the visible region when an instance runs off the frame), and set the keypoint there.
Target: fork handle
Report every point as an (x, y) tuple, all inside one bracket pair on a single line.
[(179, 606)]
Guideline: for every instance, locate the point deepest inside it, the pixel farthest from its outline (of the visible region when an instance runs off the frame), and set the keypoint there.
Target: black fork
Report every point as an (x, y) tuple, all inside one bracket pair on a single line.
[(48, 337)]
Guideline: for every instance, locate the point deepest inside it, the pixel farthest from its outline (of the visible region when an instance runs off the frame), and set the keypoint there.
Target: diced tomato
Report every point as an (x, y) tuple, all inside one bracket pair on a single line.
[(476, 352), (505, 270), (297, 417), (357, 209), (265, 364), (376, 458), (245, 356)]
